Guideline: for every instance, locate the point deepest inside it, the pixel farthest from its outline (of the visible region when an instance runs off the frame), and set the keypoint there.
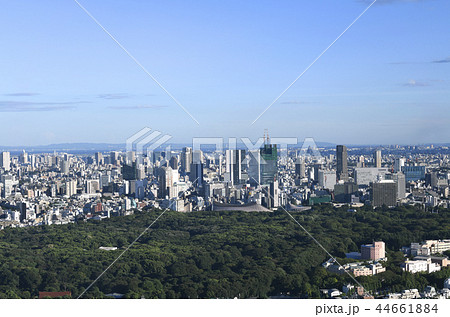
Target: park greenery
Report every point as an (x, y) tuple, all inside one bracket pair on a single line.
[(214, 254)]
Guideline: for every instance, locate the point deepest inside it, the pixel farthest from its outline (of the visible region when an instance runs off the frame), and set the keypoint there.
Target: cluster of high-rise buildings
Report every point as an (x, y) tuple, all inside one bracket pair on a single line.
[(45, 188), (51, 188), (377, 179)]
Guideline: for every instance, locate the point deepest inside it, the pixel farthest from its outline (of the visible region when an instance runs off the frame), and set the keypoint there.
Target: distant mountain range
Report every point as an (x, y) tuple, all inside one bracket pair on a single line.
[(99, 147), (107, 147), (114, 147)]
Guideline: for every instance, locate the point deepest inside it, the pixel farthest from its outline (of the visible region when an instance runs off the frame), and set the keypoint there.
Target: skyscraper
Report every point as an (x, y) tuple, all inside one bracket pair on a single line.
[(316, 168), (173, 162), (71, 188), (269, 156), (22, 206), (300, 168), (99, 158), (186, 160), (274, 195), (431, 179), (234, 165), (114, 158), (196, 174), (24, 157), (377, 158), (5, 161), (130, 157), (341, 157), (400, 179), (7, 181), (197, 156), (254, 167), (165, 180), (64, 166)]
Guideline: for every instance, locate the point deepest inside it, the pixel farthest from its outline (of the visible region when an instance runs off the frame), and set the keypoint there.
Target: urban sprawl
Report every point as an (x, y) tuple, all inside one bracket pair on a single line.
[(61, 188)]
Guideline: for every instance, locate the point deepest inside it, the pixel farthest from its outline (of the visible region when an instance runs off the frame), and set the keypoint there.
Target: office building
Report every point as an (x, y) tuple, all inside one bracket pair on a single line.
[(156, 156), (399, 178), (186, 160), (196, 174), (234, 160), (384, 193), (7, 181), (140, 172), (173, 163), (92, 186), (344, 192), (361, 161), (327, 179), (431, 179), (5, 161), (23, 209), (414, 173), (398, 164), (377, 159), (99, 158), (341, 159), (274, 195), (198, 157), (300, 168), (165, 180), (254, 167), (129, 172), (64, 167), (131, 157), (114, 158), (214, 189), (367, 175), (24, 157), (105, 180), (430, 247), (71, 188), (269, 169), (316, 168)]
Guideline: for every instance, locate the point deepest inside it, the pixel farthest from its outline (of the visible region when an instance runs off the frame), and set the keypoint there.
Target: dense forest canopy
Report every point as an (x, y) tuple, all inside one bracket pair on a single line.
[(213, 254)]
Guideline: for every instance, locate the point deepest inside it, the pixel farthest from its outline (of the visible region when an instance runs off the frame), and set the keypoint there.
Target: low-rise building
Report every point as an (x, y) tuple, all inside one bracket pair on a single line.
[(405, 294), (430, 247), (416, 266), (441, 260)]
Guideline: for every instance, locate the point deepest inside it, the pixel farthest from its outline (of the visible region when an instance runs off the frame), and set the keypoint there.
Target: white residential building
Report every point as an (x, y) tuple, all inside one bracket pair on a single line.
[(430, 247), (421, 266)]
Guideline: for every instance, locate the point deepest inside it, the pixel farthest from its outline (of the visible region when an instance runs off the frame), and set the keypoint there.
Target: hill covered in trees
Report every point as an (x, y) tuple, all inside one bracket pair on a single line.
[(212, 254)]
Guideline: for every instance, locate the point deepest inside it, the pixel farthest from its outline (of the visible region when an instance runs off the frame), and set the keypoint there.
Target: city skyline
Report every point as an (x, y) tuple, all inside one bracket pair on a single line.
[(226, 150), (384, 82)]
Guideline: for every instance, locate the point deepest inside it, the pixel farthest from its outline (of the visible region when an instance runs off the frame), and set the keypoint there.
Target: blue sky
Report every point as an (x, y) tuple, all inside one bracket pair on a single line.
[(386, 81)]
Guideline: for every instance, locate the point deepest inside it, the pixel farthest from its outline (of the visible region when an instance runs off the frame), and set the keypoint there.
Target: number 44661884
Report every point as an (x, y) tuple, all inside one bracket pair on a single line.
[(407, 308)]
